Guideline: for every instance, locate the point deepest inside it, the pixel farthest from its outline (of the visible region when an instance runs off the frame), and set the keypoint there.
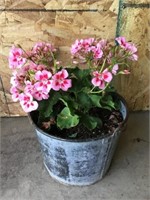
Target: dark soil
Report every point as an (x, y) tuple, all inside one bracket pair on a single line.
[(110, 120)]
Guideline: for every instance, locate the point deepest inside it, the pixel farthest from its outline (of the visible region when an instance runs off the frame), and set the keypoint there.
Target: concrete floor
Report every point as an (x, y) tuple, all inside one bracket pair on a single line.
[(24, 177)]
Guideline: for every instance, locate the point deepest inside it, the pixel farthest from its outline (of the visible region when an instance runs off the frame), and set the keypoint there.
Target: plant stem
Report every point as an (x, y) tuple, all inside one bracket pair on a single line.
[(97, 92), (92, 89), (123, 64), (103, 65), (26, 54), (55, 65)]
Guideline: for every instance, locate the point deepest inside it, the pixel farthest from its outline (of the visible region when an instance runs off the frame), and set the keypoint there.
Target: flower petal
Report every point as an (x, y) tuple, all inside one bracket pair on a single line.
[(66, 84)]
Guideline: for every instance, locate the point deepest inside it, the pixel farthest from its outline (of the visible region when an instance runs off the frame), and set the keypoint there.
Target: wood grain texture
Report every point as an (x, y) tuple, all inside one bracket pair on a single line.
[(58, 4), (137, 1), (2, 4), (136, 87), (22, 4)]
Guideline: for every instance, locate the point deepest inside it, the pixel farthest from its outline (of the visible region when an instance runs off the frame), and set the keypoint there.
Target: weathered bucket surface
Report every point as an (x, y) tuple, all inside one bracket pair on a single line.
[(77, 162)]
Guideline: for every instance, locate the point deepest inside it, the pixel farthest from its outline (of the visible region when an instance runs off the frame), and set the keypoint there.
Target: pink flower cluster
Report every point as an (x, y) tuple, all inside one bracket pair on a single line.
[(88, 47), (42, 47), (95, 50), (32, 82), (100, 79), (101, 52), (129, 47), (42, 51)]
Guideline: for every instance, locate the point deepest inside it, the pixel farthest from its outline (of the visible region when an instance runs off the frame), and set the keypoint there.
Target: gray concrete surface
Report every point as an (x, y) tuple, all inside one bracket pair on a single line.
[(24, 177)]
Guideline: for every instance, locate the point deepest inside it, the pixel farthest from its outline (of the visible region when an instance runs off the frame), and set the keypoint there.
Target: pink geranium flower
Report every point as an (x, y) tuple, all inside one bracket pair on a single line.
[(100, 78), (15, 93), (36, 67), (107, 76), (134, 57), (39, 90), (39, 95), (27, 102), (129, 47), (75, 47), (102, 43), (115, 69), (29, 87), (122, 42), (133, 50), (43, 47), (13, 79), (42, 75), (126, 71), (18, 78), (60, 81), (86, 43), (15, 58), (43, 86), (97, 51)]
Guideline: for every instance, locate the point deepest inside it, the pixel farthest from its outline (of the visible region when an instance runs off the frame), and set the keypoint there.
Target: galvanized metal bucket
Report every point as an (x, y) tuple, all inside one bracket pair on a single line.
[(78, 162)]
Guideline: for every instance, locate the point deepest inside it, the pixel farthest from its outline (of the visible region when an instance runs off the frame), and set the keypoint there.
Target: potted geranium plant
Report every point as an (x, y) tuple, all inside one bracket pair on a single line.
[(77, 114)]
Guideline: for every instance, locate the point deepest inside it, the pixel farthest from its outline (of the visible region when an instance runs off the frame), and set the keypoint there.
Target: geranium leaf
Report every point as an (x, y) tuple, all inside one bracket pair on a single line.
[(46, 106), (107, 102), (95, 99), (84, 101), (91, 122), (69, 102), (80, 79), (80, 73), (66, 120)]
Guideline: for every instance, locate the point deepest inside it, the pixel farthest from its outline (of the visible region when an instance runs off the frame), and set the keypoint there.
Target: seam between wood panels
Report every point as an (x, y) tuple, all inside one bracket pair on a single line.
[(119, 18), (134, 5), (48, 10)]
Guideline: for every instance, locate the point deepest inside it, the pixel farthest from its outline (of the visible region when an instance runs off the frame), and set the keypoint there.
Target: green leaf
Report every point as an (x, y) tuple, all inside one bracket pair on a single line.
[(87, 101), (95, 100), (108, 102), (91, 122), (46, 106), (84, 101), (107, 107), (80, 79), (69, 102), (66, 120), (80, 73)]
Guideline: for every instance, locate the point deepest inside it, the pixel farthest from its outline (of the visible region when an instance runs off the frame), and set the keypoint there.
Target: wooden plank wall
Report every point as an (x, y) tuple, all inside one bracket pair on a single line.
[(61, 22)]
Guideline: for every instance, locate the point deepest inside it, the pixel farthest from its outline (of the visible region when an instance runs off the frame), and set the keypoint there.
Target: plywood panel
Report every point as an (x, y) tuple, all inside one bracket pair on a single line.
[(59, 4), (2, 4), (23, 4), (136, 87)]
